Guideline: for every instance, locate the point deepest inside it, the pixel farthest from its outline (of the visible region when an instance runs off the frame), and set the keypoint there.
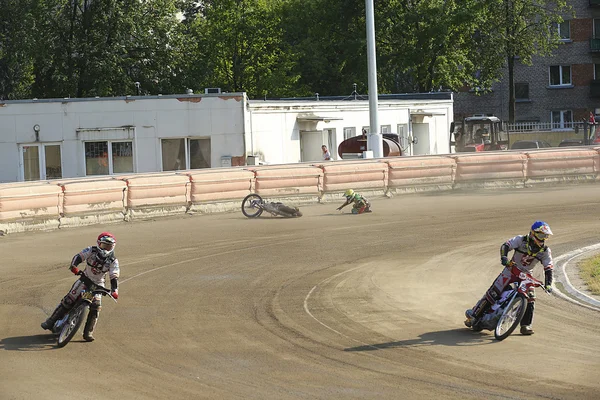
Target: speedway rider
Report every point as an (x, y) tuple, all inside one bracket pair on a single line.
[(528, 251), (361, 204), (99, 260)]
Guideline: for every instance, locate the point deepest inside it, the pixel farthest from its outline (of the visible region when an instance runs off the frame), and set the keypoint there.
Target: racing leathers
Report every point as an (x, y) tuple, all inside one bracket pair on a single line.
[(361, 204), (95, 269), (524, 259)]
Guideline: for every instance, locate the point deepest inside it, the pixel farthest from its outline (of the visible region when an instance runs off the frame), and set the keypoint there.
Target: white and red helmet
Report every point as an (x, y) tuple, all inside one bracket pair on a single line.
[(106, 244)]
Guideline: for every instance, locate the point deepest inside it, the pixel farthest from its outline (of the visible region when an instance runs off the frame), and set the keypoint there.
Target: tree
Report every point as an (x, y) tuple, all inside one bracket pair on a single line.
[(101, 48), (16, 37), (428, 45), (520, 29), (240, 44), (329, 37)]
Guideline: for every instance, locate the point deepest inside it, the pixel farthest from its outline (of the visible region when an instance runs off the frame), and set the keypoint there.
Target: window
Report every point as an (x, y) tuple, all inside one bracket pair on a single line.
[(564, 30), (596, 28), (349, 132), (97, 161), (386, 129), (560, 75), (185, 153), (562, 119), (522, 91), (40, 161), (365, 130), (403, 135), (596, 71)]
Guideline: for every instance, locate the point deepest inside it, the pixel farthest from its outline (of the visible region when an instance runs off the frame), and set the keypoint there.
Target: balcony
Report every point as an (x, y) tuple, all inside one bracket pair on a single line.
[(595, 44), (595, 88)]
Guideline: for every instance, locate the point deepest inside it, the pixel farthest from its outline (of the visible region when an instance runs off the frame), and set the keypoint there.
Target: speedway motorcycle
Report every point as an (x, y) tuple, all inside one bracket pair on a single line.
[(505, 315), (253, 206), (66, 327)]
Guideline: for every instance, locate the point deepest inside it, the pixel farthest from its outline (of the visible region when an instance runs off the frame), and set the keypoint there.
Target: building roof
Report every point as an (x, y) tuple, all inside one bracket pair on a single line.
[(356, 97)]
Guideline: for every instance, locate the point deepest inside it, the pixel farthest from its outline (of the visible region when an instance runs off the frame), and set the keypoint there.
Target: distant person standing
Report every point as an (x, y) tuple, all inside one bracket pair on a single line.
[(592, 125), (326, 154)]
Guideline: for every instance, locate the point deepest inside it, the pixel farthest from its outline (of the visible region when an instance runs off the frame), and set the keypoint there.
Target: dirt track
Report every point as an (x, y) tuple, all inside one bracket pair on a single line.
[(326, 306)]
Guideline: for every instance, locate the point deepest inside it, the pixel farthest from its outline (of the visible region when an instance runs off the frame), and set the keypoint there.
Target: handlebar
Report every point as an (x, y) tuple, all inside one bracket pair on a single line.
[(94, 287)]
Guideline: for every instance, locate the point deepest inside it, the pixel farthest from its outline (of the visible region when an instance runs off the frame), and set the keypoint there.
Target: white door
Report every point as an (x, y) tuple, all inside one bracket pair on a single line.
[(331, 143), (420, 133), (310, 145)]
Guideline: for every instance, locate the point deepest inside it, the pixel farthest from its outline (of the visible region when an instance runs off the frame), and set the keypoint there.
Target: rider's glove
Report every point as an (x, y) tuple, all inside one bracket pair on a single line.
[(548, 288), (115, 294), (504, 260), (74, 270)]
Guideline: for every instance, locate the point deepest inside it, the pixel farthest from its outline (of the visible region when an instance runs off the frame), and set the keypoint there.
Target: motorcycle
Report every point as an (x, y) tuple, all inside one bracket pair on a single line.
[(66, 327), (253, 206), (506, 313)]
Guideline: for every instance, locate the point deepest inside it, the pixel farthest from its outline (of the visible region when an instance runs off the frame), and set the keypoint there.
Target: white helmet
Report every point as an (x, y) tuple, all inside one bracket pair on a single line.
[(106, 244)]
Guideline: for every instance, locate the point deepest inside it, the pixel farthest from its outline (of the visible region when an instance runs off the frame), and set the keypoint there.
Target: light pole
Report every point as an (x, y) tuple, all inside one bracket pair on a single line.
[(374, 140)]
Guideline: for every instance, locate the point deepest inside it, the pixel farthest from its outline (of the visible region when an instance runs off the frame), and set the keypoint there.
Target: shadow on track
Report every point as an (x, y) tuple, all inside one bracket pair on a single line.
[(29, 343), (451, 337)]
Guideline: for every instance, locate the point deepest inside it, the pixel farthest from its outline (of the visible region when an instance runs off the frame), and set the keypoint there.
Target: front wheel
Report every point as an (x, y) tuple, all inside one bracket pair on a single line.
[(73, 323), (511, 317), (250, 205)]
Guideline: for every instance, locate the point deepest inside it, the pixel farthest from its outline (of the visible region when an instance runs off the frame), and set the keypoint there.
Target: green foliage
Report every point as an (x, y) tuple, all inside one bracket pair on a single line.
[(590, 273), (16, 67), (430, 44), (519, 30), (329, 37), (241, 43), (267, 48), (101, 48)]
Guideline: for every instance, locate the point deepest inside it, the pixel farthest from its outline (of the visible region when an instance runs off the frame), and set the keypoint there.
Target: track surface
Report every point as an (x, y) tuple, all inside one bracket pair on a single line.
[(325, 306)]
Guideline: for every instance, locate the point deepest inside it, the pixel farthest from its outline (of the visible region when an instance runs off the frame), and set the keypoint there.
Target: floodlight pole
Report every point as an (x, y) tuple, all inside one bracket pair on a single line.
[(374, 139)]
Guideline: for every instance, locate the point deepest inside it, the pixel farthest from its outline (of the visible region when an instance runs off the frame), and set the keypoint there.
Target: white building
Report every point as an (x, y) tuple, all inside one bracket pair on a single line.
[(66, 138)]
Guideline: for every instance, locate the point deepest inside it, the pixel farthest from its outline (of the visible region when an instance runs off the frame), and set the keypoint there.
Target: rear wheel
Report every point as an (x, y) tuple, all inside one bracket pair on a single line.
[(250, 206), (511, 317), (73, 323)]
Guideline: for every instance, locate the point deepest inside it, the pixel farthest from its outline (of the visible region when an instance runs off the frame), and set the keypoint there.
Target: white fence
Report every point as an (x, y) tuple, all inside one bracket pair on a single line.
[(544, 126)]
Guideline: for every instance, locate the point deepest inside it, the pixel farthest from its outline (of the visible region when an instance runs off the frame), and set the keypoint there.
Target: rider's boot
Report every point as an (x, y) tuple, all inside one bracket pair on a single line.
[(526, 330), (527, 320), (90, 324), (57, 314), (473, 314)]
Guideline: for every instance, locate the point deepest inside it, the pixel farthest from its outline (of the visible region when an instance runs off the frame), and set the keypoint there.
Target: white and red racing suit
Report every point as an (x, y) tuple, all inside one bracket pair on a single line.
[(96, 269), (523, 260)]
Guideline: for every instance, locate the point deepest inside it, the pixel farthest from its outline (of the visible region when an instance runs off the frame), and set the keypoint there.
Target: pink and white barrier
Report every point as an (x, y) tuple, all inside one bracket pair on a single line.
[(496, 166), (35, 205), (339, 176), (170, 189), (226, 184), (563, 163), (420, 171), (288, 180), (30, 200), (93, 196)]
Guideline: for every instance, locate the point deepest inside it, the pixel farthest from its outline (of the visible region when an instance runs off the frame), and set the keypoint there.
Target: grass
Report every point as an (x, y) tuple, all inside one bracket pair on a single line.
[(590, 273)]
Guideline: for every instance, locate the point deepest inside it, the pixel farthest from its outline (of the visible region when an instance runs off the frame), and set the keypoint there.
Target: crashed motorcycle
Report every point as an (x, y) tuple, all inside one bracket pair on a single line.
[(506, 313), (253, 206), (66, 327)]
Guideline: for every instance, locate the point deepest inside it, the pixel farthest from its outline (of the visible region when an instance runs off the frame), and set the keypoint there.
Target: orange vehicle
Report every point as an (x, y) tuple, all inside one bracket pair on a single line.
[(479, 133)]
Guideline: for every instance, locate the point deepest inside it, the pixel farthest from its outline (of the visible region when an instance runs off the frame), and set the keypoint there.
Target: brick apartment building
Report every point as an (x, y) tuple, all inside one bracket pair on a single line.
[(560, 89)]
